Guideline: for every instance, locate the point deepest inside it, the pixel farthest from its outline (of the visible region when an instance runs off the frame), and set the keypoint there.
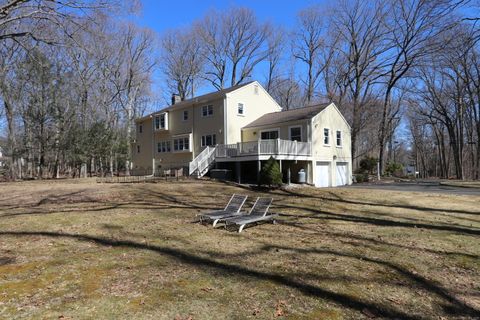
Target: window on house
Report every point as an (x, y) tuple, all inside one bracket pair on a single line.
[(240, 109), (269, 135), (209, 140), (160, 121), (181, 144), (140, 128), (185, 115), (207, 111), (138, 148), (163, 146), (326, 136), (296, 133), (339, 138)]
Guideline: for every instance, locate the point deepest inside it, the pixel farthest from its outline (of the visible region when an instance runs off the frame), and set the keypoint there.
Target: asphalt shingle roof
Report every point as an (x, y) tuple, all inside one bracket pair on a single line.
[(289, 115)]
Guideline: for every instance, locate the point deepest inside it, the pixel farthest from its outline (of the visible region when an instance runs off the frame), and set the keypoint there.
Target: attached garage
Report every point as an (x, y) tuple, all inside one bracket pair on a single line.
[(341, 177), (322, 174)]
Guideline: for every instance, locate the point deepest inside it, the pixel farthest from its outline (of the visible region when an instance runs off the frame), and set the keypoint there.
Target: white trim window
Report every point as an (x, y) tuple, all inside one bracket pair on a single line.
[(326, 136), (339, 138), (270, 134), (161, 121), (295, 133), (185, 115), (209, 140), (207, 111), (241, 109), (140, 128), (163, 146), (181, 144)]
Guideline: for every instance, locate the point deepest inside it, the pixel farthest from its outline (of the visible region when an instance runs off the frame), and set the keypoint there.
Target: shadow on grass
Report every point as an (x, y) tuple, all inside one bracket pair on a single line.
[(326, 215), (228, 269), (335, 198)]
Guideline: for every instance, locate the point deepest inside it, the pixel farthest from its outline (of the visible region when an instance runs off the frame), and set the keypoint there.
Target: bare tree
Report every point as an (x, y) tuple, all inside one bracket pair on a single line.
[(361, 32), (414, 29), (276, 47), (307, 44), (234, 43), (182, 61)]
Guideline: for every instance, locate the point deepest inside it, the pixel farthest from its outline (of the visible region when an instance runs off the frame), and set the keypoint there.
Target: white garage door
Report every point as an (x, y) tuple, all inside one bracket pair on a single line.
[(322, 178), (342, 174)]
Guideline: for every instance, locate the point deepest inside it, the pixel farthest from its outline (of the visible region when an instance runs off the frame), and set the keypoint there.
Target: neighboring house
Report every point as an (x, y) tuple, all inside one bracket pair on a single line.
[(238, 128)]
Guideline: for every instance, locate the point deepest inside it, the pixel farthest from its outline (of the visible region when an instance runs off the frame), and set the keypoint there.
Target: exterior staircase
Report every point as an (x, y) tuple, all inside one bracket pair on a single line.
[(203, 162)]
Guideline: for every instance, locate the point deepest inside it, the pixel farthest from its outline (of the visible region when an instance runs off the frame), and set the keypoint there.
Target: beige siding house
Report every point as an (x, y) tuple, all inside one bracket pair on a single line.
[(236, 129)]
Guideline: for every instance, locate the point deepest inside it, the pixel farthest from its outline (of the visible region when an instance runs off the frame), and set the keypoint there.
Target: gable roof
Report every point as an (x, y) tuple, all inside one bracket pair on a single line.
[(289, 115), (203, 98)]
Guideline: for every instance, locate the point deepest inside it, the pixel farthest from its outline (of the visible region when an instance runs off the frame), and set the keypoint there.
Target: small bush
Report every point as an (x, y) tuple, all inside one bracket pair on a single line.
[(394, 169), (361, 177), (270, 174), (368, 164)]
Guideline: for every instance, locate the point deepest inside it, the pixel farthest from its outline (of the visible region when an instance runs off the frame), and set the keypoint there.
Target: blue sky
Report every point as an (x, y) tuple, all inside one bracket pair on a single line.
[(163, 15), (160, 15)]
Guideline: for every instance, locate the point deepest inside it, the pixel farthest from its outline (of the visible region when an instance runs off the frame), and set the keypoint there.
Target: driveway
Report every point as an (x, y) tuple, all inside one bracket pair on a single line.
[(428, 187)]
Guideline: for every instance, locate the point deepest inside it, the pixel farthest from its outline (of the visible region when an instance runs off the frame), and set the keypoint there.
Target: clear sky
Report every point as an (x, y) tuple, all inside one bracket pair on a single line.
[(160, 15)]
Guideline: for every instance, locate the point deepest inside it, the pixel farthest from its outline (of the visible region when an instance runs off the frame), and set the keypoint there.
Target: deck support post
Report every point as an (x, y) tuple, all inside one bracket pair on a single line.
[(239, 171), (259, 168)]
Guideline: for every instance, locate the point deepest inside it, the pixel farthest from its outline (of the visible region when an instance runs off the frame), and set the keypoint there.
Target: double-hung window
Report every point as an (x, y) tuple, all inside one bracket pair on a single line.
[(240, 109), (185, 115), (161, 121), (326, 136), (207, 111), (181, 144), (209, 140), (140, 128), (163, 146), (339, 138)]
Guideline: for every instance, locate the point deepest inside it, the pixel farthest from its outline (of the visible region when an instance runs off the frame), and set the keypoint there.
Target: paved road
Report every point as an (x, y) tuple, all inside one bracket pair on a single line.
[(428, 187)]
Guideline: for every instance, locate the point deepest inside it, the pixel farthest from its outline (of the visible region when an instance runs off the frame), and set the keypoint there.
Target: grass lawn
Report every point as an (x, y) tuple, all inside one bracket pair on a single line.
[(81, 250)]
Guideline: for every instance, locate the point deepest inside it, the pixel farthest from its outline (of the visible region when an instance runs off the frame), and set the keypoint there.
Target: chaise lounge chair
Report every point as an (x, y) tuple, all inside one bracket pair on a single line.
[(232, 209), (258, 213)]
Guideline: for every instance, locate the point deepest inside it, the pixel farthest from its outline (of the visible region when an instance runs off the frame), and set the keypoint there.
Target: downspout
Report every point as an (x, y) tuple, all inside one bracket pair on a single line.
[(225, 120), (153, 146)]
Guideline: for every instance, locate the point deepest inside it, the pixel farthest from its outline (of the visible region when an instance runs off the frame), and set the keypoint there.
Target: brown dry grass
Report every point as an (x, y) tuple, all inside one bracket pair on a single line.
[(79, 250)]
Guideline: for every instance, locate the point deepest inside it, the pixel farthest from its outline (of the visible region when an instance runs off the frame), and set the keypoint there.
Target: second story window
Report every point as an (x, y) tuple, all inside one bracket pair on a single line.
[(209, 140), (207, 111), (185, 115), (140, 128), (339, 138), (161, 122), (240, 109), (138, 148), (326, 136)]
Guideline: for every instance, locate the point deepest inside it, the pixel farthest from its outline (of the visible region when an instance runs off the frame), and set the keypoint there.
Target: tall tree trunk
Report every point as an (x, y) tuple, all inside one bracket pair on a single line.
[(11, 140)]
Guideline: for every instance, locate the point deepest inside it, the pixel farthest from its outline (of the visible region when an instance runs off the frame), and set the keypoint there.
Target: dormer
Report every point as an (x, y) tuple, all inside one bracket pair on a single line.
[(161, 121)]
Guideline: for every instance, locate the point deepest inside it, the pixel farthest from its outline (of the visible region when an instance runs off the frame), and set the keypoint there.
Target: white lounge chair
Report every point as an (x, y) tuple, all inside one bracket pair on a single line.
[(258, 213), (231, 209)]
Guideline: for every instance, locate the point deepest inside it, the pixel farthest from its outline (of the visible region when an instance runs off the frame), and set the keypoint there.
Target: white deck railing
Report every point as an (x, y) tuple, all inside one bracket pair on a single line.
[(264, 147), (202, 161)]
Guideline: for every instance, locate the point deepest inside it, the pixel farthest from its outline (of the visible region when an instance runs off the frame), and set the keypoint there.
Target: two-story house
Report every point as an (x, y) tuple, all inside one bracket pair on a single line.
[(239, 128)]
